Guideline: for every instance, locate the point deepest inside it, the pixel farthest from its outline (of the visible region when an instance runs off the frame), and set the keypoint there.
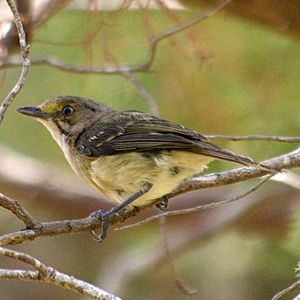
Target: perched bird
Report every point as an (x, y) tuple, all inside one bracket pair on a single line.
[(131, 157)]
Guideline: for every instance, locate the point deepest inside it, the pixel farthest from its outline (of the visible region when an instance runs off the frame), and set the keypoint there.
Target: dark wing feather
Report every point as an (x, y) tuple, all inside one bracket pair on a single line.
[(134, 131)]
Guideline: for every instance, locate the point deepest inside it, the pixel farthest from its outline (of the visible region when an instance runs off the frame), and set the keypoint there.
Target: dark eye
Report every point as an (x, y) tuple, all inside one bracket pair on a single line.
[(68, 111)]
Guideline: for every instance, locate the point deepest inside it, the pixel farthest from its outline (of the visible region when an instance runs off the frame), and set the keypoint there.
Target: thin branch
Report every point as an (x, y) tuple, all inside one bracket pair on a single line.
[(145, 66), (179, 28), (9, 274), (17, 210), (287, 139), (50, 229), (25, 61), (287, 161), (61, 65), (199, 207), (287, 291), (48, 274)]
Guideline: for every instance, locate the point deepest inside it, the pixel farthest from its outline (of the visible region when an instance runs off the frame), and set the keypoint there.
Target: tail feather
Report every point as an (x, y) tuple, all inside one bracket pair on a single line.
[(209, 149)]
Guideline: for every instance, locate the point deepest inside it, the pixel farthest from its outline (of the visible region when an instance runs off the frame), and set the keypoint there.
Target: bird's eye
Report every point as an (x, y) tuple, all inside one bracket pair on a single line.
[(68, 111)]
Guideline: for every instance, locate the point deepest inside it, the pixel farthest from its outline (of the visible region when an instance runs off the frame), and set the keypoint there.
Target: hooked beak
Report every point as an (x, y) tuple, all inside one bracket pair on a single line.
[(35, 112)]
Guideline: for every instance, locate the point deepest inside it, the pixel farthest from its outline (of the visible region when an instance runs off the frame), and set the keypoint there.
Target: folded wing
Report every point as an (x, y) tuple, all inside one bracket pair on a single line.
[(128, 131)]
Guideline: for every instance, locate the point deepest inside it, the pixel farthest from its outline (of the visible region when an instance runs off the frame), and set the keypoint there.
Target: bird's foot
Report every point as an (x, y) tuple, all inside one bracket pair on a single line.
[(163, 204), (104, 217)]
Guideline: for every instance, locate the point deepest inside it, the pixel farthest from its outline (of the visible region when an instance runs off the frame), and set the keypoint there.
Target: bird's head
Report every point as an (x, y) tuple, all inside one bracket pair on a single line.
[(67, 115)]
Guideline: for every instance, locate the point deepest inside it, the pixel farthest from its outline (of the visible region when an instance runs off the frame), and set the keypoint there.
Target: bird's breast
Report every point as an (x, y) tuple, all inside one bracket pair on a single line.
[(120, 176)]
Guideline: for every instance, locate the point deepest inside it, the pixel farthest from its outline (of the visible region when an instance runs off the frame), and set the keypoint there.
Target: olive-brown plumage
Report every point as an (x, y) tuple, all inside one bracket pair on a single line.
[(126, 155)]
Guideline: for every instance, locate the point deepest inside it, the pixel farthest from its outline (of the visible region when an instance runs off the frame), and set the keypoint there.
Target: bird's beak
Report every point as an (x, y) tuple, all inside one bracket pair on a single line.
[(35, 112)]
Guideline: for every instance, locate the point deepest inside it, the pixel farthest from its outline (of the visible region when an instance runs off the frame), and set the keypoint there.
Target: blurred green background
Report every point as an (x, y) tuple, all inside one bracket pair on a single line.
[(223, 76)]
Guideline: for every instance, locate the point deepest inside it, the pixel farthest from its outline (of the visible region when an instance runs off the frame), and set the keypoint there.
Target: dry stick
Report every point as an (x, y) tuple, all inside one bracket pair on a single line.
[(287, 161), (48, 274), (200, 207), (145, 66), (180, 27), (286, 291), (18, 210), (25, 61), (287, 139)]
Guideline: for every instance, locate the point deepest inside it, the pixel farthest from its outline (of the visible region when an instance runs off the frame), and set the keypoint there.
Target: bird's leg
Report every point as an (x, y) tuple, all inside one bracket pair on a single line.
[(104, 216), (163, 204)]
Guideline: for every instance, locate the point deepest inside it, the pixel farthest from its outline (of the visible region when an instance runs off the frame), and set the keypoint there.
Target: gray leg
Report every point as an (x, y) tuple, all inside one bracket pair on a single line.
[(104, 216)]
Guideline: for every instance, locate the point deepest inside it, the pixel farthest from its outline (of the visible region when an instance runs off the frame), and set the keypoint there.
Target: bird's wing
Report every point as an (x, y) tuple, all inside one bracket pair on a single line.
[(136, 131)]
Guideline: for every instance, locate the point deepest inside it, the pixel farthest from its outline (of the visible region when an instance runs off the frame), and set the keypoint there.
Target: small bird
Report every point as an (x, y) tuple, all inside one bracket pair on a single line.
[(131, 157)]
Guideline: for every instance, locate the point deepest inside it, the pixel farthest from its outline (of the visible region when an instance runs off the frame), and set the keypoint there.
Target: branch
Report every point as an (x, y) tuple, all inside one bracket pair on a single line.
[(61, 65), (287, 291), (179, 28), (25, 61), (183, 239), (200, 207), (145, 66), (287, 161), (17, 210), (47, 274)]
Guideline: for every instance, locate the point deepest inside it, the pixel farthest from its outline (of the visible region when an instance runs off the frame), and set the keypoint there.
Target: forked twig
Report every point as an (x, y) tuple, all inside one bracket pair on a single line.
[(25, 61), (48, 274)]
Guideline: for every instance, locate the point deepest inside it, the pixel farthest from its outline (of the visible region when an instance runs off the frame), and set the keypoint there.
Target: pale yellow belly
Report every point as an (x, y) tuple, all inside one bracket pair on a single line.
[(120, 176)]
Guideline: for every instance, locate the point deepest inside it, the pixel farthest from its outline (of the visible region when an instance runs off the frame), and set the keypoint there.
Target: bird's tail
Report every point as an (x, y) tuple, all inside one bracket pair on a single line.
[(209, 149)]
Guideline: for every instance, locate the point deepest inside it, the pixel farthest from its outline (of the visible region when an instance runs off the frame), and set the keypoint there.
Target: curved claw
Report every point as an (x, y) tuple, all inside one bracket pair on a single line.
[(96, 237), (104, 217)]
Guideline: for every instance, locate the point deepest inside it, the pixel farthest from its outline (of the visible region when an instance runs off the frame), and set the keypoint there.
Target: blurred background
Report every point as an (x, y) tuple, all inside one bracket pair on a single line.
[(234, 73)]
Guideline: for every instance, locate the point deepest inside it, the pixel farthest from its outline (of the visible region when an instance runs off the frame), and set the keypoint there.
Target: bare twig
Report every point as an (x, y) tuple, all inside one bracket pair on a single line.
[(287, 139), (61, 65), (145, 66), (50, 229), (179, 28), (18, 210), (287, 291), (286, 161), (199, 207), (25, 61), (48, 274)]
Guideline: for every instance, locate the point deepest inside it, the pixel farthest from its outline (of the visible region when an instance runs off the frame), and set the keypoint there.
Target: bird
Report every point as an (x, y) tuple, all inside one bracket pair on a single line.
[(132, 157)]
